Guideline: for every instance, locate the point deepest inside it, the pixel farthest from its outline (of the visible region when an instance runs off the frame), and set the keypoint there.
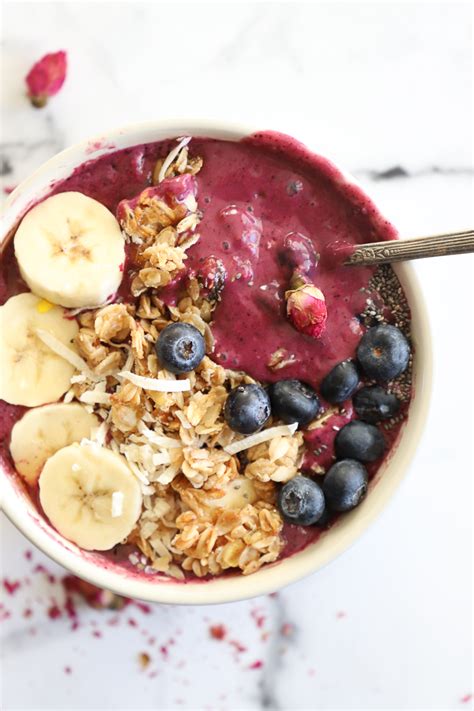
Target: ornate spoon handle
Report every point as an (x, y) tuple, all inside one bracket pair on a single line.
[(417, 248)]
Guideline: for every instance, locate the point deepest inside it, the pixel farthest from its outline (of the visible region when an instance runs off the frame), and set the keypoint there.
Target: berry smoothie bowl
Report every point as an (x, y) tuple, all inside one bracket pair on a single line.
[(199, 401)]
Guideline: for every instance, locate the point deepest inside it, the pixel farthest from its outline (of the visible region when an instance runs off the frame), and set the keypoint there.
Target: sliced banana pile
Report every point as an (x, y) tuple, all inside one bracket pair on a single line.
[(70, 250), (90, 495)]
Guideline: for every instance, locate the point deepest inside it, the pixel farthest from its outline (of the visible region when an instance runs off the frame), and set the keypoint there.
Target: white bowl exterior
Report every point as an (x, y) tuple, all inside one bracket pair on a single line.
[(338, 538)]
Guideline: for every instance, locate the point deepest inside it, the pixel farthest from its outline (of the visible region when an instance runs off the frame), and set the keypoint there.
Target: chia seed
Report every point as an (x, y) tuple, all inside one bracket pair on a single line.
[(387, 303)]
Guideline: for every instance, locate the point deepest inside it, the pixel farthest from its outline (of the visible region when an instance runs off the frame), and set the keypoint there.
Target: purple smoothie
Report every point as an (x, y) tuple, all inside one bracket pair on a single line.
[(257, 197)]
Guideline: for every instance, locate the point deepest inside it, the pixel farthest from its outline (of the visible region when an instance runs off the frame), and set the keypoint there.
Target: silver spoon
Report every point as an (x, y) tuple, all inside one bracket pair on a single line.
[(415, 248)]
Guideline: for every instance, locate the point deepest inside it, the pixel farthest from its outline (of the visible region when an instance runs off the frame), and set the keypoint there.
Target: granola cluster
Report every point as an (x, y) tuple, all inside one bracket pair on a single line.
[(205, 510)]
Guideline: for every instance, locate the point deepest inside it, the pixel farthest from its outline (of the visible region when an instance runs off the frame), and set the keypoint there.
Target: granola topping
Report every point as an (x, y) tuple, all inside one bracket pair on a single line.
[(172, 430)]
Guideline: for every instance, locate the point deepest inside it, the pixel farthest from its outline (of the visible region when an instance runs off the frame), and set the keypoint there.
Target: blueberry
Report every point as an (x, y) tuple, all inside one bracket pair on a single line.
[(358, 440), (180, 348), (301, 501), (345, 485), (294, 401), (247, 408), (383, 353), (374, 404), (340, 382)]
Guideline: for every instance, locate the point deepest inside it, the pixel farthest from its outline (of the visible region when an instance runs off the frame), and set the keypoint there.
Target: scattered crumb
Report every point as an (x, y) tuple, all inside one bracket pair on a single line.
[(287, 629), (256, 665), (340, 615), (144, 660), (217, 632), (465, 699), (67, 670)]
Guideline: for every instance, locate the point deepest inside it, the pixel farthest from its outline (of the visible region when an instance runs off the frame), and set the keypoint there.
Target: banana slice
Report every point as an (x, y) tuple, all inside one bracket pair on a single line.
[(90, 496), (238, 493), (43, 431), (70, 250), (31, 373)]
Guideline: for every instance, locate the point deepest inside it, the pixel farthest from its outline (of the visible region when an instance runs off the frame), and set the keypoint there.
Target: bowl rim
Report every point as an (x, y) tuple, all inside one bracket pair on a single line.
[(288, 570)]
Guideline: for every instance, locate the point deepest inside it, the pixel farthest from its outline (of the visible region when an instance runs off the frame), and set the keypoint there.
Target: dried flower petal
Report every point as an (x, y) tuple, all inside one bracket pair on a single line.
[(46, 77)]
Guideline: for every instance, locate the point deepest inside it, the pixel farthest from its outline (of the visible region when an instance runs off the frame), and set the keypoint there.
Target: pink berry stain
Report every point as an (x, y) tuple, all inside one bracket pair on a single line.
[(11, 586)]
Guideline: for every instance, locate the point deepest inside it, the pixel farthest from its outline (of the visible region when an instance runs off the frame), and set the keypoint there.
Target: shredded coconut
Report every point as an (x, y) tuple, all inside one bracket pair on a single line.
[(95, 397), (63, 351), (86, 442), (99, 434), (171, 157), (260, 437), (82, 309), (160, 440), (78, 379), (161, 385)]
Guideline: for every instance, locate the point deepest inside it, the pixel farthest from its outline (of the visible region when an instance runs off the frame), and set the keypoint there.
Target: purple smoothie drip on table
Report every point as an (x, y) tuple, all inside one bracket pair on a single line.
[(270, 207)]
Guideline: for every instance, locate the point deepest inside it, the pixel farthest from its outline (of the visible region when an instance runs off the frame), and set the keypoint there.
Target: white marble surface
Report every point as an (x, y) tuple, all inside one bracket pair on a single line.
[(373, 85)]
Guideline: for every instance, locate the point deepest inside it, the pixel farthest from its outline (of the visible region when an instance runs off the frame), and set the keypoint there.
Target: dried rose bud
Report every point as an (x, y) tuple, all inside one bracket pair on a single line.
[(46, 77), (306, 309), (212, 275)]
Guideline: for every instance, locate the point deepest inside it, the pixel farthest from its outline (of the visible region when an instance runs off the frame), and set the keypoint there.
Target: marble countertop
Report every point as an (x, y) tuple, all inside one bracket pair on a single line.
[(385, 89)]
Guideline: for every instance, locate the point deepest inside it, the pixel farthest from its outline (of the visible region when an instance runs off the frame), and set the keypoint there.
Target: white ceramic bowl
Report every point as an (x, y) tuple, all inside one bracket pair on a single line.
[(337, 539)]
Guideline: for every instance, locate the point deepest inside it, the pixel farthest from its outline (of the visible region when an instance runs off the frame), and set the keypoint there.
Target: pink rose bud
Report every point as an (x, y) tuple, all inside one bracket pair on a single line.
[(46, 77), (306, 309)]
